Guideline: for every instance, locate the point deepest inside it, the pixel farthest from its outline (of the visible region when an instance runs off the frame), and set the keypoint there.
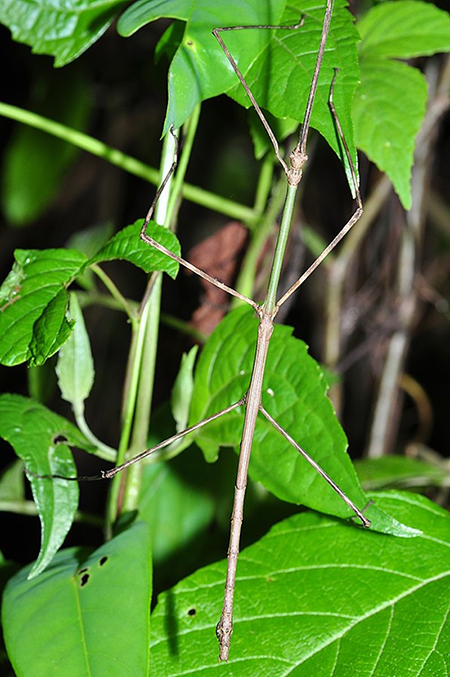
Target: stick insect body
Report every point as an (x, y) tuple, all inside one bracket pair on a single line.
[(266, 313)]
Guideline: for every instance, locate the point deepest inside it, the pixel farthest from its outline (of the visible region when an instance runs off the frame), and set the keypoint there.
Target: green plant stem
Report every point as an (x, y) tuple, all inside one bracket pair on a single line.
[(204, 198), (150, 320), (139, 387), (114, 291), (131, 385), (190, 129), (271, 296), (29, 508), (104, 451), (144, 394), (264, 184), (246, 279)]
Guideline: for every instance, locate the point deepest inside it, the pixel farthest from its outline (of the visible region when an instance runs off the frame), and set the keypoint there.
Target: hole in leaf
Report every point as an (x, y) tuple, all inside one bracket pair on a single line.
[(192, 612), (103, 560), (84, 579)]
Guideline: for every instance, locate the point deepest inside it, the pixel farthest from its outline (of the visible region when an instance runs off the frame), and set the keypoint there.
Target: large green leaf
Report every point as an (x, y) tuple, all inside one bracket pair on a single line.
[(389, 105), (42, 440), (294, 393), (35, 162), (87, 615), (127, 245), (33, 322), (278, 65), (280, 77), (404, 29), (61, 28), (318, 597), (199, 69)]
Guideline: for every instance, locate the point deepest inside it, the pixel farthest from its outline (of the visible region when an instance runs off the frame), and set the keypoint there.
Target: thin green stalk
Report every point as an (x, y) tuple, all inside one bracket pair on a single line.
[(139, 390), (264, 184), (104, 451), (190, 129), (150, 320), (114, 291), (246, 279), (271, 296), (132, 380), (204, 198)]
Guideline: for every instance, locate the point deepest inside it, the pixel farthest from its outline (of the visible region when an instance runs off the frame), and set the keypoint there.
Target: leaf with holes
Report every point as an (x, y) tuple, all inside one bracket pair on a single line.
[(294, 394), (42, 440), (93, 611), (318, 597), (62, 28)]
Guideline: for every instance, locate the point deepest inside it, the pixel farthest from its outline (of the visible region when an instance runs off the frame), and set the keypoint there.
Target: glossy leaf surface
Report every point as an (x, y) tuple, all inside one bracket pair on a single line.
[(278, 65), (62, 28), (75, 368), (318, 597), (127, 245), (389, 105), (33, 322), (294, 393), (87, 615), (42, 440)]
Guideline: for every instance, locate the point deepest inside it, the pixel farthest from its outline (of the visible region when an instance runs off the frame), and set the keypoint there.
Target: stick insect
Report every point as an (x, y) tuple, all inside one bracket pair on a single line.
[(266, 313)]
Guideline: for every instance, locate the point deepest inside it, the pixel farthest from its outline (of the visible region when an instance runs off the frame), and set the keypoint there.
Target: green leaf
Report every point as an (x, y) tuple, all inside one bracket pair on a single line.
[(183, 388), (127, 245), (389, 106), (385, 129), (404, 30), (281, 127), (51, 330), (280, 76), (12, 486), (294, 393), (61, 28), (75, 367), (278, 65), (400, 471), (35, 162), (87, 615), (42, 439), (33, 321), (318, 597)]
